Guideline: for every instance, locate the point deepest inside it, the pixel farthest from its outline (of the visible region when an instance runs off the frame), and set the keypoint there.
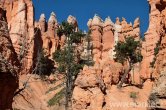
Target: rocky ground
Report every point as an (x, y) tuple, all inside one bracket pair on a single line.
[(38, 93)]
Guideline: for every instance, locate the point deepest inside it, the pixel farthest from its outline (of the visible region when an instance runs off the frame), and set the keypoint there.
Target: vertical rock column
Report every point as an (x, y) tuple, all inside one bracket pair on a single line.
[(107, 39), (160, 63), (95, 26), (52, 26), (72, 20), (136, 29), (152, 37), (49, 35), (42, 23), (30, 29)]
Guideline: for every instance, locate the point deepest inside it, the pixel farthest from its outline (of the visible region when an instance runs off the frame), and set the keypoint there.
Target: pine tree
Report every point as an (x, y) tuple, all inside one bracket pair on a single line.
[(127, 51), (67, 57)]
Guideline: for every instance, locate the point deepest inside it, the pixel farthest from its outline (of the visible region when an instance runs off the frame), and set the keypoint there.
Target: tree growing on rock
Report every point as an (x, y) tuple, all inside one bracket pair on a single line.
[(68, 57), (127, 52)]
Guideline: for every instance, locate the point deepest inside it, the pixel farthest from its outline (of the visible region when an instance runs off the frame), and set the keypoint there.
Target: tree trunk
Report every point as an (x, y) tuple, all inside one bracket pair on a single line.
[(124, 77)]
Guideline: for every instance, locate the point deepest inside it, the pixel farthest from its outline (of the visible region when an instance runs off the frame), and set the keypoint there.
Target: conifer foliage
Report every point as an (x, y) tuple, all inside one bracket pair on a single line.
[(129, 52), (68, 57)]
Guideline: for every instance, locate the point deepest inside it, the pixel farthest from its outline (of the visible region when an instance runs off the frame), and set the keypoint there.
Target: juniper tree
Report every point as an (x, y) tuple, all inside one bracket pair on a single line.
[(127, 51), (67, 57)]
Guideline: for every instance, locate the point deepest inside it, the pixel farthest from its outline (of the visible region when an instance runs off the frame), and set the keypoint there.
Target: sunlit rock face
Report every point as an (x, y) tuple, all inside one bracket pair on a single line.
[(95, 26), (128, 30), (107, 38), (154, 34), (42, 23), (93, 83), (46, 37), (19, 14), (72, 20)]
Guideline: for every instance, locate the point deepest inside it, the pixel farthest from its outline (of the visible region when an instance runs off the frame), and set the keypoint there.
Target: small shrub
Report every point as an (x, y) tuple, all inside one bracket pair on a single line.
[(133, 95), (153, 62), (156, 50)]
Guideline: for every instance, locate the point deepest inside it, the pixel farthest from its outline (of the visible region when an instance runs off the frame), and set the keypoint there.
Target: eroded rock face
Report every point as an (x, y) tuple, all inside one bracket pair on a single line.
[(72, 20), (95, 91), (160, 60), (154, 34), (19, 14), (93, 83), (95, 26), (87, 94), (107, 39), (157, 99), (9, 65), (46, 37), (129, 30), (42, 23)]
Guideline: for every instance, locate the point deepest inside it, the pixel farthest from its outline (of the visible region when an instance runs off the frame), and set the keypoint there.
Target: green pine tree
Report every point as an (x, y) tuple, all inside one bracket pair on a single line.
[(128, 51), (67, 57)]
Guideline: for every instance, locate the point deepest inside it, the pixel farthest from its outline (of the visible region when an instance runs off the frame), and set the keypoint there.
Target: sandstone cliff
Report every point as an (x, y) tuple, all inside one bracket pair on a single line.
[(9, 65), (93, 84), (20, 19), (95, 87), (154, 35), (157, 98)]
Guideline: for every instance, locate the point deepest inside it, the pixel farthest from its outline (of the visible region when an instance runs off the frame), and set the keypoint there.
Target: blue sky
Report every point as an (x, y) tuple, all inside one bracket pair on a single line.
[(85, 9)]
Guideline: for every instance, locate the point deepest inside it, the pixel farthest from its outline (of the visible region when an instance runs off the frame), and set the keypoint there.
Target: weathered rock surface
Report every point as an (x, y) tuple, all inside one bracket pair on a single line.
[(87, 93), (160, 57), (95, 26), (107, 39), (9, 65), (154, 34), (128, 30), (46, 37), (38, 93), (95, 87), (157, 99), (20, 19), (93, 92), (98, 80)]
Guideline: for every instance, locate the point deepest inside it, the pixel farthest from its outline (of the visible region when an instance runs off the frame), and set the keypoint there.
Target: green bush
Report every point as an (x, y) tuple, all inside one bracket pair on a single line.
[(153, 62), (128, 51), (156, 51), (133, 95)]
